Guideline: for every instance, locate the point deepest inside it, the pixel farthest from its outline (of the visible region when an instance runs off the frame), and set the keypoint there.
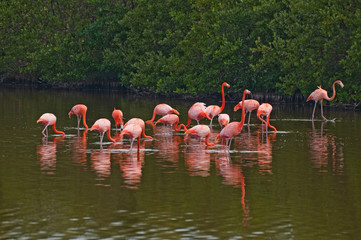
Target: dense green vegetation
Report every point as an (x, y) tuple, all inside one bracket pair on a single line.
[(280, 46)]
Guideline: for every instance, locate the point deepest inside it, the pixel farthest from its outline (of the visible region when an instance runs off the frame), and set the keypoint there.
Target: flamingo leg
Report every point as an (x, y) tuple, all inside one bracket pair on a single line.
[(314, 109), (249, 118), (45, 130), (210, 124), (197, 122), (79, 118), (101, 138), (131, 143), (325, 119)]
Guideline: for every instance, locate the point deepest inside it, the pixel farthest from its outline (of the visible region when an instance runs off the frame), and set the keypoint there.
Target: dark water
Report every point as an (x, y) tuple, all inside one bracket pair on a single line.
[(303, 182)]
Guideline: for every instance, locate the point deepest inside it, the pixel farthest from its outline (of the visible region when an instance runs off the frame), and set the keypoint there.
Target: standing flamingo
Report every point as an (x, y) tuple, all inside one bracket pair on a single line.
[(48, 119), (197, 112), (265, 109), (162, 109), (214, 110), (171, 119), (199, 131), (132, 131), (139, 122), (249, 106), (223, 119), (102, 125), (233, 128), (80, 111), (118, 118), (320, 94)]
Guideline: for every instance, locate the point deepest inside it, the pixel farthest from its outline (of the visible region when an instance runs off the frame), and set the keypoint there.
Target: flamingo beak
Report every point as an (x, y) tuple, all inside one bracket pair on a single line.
[(40, 120), (341, 84)]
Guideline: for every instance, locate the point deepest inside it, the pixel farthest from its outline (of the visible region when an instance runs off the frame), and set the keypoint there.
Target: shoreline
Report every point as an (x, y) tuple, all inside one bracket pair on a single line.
[(273, 98)]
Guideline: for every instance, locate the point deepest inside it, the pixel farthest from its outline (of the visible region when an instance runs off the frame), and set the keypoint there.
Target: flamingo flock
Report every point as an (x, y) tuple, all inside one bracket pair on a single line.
[(134, 129)]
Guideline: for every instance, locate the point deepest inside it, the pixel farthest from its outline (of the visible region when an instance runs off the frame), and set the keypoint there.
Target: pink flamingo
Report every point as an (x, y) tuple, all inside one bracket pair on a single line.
[(249, 106), (171, 119), (233, 128), (199, 131), (102, 126), (320, 94), (197, 112), (132, 131), (265, 109), (79, 111), (162, 109), (139, 122), (118, 118), (214, 110), (223, 119), (48, 119)]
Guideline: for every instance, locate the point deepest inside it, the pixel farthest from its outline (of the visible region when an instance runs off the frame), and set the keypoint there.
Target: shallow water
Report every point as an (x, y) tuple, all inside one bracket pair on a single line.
[(303, 182)]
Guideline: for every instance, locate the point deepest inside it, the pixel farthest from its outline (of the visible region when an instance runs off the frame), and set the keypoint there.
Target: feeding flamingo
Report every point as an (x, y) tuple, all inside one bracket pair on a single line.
[(162, 109), (102, 126), (171, 119), (139, 122), (249, 106), (79, 111), (320, 94), (223, 119), (199, 131), (118, 118), (132, 131), (197, 112), (233, 128), (214, 110), (265, 109), (48, 119)]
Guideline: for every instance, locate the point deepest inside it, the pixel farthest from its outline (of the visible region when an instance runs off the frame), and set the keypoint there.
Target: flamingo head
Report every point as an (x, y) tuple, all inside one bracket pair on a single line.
[(339, 82), (238, 106), (260, 112), (226, 85), (247, 91), (174, 111), (40, 120), (94, 127), (70, 113)]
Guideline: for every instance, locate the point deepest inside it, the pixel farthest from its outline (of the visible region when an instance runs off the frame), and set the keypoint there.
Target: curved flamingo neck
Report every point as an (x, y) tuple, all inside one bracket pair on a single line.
[(110, 137), (56, 131), (153, 117), (84, 121), (179, 127), (146, 136), (189, 121), (207, 141), (333, 94)]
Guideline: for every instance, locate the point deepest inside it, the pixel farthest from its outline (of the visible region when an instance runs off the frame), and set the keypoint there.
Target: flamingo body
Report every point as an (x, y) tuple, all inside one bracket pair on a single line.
[(249, 105), (197, 112), (118, 117), (321, 94), (199, 131), (79, 111), (132, 131), (171, 119), (102, 126), (265, 109), (162, 109), (48, 119), (140, 122)]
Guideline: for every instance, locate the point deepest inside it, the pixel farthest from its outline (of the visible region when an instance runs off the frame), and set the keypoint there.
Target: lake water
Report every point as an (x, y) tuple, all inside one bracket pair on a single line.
[(303, 182)]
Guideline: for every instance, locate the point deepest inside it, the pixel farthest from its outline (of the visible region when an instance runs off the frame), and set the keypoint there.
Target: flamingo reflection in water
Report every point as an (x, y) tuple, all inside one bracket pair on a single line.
[(46, 152), (326, 153), (78, 146), (168, 143), (233, 175), (197, 161), (130, 164), (100, 163)]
